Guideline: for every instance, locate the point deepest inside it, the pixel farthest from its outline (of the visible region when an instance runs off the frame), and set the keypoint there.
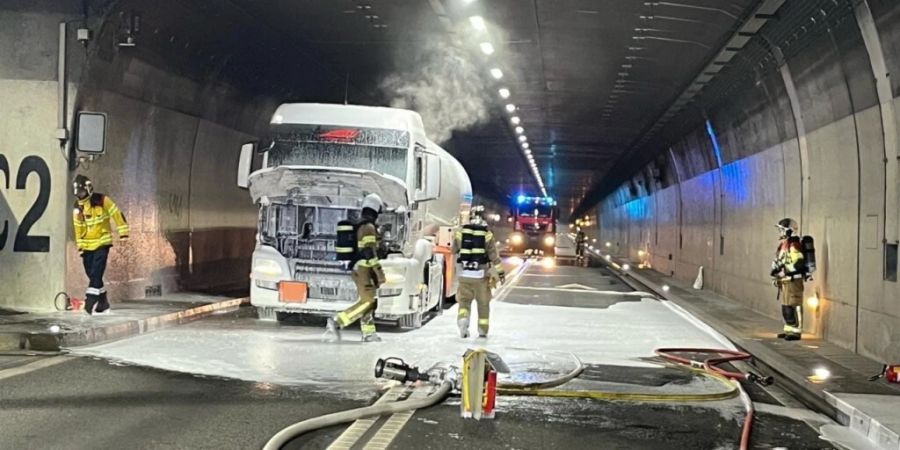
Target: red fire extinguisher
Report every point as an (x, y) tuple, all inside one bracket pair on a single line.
[(890, 373)]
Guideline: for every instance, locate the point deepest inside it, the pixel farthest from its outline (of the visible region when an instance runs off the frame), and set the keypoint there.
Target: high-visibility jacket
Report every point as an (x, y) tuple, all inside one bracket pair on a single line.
[(476, 251), (367, 263), (790, 258), (91, 219)]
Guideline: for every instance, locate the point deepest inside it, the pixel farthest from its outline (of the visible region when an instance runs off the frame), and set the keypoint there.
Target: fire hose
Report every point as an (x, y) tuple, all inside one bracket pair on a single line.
[(396, 369)]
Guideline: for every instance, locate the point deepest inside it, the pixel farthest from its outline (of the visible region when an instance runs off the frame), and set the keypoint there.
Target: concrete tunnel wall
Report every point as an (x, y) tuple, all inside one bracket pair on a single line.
[(693, 208), (180, 104)]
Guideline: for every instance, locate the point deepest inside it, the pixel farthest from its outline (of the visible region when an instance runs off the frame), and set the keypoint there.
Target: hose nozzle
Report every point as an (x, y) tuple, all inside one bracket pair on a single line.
[(760, 380), (396, 369)]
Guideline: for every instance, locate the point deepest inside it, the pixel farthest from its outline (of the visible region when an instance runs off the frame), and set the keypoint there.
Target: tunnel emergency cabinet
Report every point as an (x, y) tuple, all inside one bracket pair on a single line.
[(319, 162)]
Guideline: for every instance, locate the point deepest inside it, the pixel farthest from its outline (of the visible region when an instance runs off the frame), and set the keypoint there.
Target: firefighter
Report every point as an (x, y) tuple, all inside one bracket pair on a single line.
[(580, 242), (366, 271), (479, 270), (789, 270), (93, 237)]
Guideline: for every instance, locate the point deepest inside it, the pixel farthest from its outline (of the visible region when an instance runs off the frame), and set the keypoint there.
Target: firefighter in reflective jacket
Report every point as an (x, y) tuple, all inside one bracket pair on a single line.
[(479, 269), (366, 271), (93, 237), (789, 271)]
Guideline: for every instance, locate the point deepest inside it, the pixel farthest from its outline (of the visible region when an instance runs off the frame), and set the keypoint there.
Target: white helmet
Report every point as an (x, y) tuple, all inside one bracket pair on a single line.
[(373, 202)]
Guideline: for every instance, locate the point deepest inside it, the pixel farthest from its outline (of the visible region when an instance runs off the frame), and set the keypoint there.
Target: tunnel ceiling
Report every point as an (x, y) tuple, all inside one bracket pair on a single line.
[(589, 77)]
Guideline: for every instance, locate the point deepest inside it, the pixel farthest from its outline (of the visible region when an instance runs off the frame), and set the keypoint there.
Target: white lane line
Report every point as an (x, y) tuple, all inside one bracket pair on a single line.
[(32, 366), (582, 291)]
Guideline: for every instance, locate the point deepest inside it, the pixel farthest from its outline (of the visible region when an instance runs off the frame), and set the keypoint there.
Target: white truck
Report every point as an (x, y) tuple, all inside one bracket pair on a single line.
[(319, 161)]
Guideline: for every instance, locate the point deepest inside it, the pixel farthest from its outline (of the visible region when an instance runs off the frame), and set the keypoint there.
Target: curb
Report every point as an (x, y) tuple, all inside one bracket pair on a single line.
[(52, 342)]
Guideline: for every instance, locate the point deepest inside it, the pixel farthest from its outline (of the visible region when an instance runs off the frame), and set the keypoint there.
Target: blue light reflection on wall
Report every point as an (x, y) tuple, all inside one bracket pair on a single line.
[(715, 142), (736, 178)]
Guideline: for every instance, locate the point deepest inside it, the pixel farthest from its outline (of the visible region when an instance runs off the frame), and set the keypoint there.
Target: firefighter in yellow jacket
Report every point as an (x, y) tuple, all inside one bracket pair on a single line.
[(93, 237), (366, 272), (479, 268), (789, 269)]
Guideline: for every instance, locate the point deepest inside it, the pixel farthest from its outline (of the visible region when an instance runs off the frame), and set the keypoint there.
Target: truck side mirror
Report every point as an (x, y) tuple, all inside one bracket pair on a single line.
[(90, 132), (244, 164)]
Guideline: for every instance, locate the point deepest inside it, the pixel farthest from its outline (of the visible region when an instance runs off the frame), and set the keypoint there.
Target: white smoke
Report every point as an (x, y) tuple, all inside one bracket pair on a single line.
[(443, 85)]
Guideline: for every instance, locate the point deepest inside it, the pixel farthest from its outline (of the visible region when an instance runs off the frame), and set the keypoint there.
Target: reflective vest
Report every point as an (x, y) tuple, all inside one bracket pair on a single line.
[(357, 243), (790, 257), (473, 245), (91, 222)]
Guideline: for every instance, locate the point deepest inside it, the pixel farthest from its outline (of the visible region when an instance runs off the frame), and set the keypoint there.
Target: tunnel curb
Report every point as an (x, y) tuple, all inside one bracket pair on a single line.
[(53, 342)]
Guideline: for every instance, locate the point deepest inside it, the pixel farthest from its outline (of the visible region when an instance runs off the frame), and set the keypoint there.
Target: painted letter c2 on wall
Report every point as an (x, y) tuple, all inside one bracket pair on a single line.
[(23, 242)]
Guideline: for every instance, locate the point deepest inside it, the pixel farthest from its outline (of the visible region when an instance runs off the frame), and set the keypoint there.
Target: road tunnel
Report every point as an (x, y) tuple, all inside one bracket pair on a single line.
[(672, 136)]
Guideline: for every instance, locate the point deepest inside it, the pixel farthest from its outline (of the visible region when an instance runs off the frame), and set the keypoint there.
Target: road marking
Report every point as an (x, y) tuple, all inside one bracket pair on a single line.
[(576, 286), (32, 366), (581, 291), (360, 433), (547, 275)]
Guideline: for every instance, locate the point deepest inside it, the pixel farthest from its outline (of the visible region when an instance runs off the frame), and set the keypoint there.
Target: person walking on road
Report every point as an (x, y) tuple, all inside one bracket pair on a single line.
[(358, 243), (93, 238), (479, 268)]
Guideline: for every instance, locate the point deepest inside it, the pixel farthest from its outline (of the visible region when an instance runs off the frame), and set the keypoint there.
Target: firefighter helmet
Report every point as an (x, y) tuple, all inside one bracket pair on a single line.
[(373, 201), (787, 226), (82, 187), (476, 215)]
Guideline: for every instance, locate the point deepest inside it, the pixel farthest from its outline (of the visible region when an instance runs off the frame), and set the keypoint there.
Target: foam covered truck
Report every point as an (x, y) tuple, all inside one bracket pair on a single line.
[(318, 162)]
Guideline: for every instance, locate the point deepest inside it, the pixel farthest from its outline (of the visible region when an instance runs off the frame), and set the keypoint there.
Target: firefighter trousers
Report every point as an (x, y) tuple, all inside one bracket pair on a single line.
[(94, 262), (478, 290), (791, 306), (364, 309)]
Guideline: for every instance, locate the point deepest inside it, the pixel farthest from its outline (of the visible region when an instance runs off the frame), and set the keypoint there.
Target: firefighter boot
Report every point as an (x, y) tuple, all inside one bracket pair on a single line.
[(463, 325), (372, 337), (103, 304), (332, 331), (90, 302)]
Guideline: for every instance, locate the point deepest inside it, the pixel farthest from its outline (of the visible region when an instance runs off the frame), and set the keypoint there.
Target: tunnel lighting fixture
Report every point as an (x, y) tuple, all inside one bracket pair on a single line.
[(487, 48), (813, 302), (626, 267), (525, 146), (665, 288), (478, 23), (520, 130), (496, 73), (608, 244), (608, 257), (820, 375), (523, 138), (510, 107), (594, 240), (641, 253), (53, 329), (515, 120), (504, 92)]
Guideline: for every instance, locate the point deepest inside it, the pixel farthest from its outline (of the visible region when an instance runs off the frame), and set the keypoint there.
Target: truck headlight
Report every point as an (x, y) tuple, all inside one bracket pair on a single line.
[(270, 285), (516, 239), (549, 240), (267, 267)]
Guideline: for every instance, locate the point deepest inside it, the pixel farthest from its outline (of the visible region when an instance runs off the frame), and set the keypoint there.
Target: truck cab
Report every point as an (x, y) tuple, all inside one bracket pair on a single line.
[(534, 227)]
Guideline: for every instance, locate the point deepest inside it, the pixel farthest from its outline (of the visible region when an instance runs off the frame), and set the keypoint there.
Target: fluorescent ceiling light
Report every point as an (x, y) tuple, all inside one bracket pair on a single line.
[(496, 73), (522, 138), (515, 120), (510, 107), (504, 92), (487, 48), (525, 145), (478, 23), (520, 130)]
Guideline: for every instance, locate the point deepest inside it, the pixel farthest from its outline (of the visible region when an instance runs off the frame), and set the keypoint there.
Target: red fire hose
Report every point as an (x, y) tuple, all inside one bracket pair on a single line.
[(721, 356)]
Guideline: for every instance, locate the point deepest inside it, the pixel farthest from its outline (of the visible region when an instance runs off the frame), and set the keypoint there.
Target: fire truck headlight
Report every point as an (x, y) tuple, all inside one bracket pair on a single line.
[(266, 267), (549, 240), (517, 239)]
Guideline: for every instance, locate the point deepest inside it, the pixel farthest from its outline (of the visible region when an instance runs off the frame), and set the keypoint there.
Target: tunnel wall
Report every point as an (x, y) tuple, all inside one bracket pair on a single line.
[(757, 162), (176, 122)]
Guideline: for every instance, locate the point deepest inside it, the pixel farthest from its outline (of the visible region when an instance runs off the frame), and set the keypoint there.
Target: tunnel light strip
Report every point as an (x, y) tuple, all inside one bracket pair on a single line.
[(480, 26)]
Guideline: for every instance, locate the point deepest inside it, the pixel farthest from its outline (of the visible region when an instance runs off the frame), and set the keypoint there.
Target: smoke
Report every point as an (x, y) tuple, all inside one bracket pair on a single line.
[(443, 85)]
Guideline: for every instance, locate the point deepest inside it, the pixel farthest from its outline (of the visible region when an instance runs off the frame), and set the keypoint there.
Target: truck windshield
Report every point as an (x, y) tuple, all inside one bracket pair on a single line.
[(542, 211), (380, 150)]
